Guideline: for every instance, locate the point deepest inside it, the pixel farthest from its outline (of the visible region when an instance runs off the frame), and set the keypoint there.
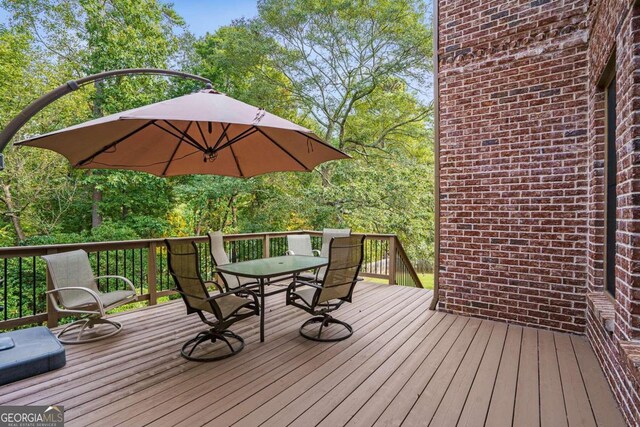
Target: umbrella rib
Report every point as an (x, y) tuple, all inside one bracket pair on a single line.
[(202, 135), (222, 135), (233, 153), (238, 137), (190, 140), (283, 149), (175, 151), (319, 141), (113, 144)]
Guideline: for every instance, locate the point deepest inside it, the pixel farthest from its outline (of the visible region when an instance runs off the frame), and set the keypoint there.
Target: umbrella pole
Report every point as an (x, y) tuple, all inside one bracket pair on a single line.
[(36, 106)]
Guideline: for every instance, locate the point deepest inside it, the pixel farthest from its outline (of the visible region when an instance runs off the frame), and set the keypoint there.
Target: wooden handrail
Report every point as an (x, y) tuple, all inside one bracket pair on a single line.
[(12, 251), (382, 252)]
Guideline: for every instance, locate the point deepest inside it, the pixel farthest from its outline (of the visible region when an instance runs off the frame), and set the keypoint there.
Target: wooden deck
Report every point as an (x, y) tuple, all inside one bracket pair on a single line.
[(404, 365)]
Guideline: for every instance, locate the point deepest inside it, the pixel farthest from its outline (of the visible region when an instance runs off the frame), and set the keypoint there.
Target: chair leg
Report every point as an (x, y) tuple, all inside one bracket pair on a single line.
[(83, 325), (324, 322), (213, 336)]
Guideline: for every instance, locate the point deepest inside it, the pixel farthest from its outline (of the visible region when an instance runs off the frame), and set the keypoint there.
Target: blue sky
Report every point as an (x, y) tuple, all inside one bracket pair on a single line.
[(203, 16), (208, 15)]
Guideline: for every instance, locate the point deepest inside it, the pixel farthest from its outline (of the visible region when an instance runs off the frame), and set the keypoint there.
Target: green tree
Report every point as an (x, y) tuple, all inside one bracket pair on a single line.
[(357, 73), (90, 36)]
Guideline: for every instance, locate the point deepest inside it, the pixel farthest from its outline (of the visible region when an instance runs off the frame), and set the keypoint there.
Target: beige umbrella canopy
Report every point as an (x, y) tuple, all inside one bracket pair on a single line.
[(201, 133)]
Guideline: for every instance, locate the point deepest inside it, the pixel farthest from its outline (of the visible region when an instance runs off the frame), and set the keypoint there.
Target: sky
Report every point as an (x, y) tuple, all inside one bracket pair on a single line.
[(202, 16)]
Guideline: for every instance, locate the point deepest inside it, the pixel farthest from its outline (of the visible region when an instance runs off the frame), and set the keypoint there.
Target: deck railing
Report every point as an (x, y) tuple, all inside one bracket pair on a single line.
[(24, 278)]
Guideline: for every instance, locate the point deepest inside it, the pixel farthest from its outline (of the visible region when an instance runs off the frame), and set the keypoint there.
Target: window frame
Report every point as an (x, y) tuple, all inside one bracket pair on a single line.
[(607, 83)]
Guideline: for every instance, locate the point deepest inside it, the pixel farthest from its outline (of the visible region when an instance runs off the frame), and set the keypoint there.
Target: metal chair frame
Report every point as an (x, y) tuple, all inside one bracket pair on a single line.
[(321, 311), (93, 312), (218, 330)]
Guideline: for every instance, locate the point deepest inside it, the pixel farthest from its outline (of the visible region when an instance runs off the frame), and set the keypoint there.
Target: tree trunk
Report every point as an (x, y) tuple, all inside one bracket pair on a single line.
[(15, 216), (96, 218), (234, 216), (96, 198)]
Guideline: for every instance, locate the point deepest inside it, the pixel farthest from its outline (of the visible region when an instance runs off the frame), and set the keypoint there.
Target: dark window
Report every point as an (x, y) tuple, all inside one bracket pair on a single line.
[(611, 169)]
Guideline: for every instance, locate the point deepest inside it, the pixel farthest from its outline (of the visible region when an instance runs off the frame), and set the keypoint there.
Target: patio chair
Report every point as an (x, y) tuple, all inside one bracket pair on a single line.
[(300, 244), (320, 299), (227, 307), (327, 235), (76, 292), (219, 257)]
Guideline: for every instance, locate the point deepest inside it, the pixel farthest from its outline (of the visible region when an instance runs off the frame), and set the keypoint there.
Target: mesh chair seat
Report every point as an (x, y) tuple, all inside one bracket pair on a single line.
[(108, 299), (230, 304)]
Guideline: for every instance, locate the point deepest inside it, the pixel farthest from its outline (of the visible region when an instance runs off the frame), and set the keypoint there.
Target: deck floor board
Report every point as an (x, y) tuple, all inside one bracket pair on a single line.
[(404, 365)]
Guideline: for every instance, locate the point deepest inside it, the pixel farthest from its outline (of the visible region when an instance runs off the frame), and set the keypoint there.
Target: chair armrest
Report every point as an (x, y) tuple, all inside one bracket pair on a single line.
[(124, 279), (316, 252), (216, 284), (235, 291), (220, 295), (292, 285), (94, 295), (289, 252)]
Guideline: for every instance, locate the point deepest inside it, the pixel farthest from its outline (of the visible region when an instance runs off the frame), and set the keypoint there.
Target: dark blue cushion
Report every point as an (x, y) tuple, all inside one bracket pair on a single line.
[(36, 351)]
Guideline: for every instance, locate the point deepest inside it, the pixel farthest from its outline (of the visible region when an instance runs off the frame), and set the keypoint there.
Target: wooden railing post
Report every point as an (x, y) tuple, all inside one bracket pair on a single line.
[(151, 274), (266, 243), (392, 260), (52, 314)]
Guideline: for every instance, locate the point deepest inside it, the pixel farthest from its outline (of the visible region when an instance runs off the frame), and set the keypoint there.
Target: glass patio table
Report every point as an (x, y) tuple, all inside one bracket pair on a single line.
[(264, 269)]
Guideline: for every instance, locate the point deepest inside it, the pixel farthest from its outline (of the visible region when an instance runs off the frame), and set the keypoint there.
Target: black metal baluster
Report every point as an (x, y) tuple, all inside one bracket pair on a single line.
[(161, 270), (117, 267), (372, 255), (380, 264), (379, 255), (108, 270), (141, 272), (124, 263), (387, 257), (20, 286), (33, 267), (133, 267), (6, 307)]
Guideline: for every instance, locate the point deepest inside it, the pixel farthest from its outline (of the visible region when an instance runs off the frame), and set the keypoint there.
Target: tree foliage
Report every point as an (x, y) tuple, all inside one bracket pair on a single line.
[(357, 73)]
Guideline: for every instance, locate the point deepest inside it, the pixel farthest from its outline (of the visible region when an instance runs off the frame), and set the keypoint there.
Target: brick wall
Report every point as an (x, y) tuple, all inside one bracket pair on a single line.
[(522, 152), (615, 29), (514, 161)]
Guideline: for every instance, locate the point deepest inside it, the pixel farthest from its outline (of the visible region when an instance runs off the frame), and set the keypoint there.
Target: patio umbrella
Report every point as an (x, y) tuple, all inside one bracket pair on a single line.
[(202, 133)]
